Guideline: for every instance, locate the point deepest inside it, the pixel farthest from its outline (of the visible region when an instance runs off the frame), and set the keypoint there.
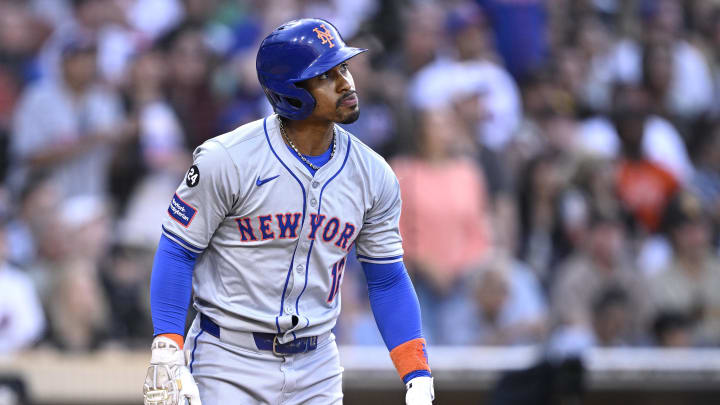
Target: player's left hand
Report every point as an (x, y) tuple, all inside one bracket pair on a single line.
[(420, 391), (168, 380)]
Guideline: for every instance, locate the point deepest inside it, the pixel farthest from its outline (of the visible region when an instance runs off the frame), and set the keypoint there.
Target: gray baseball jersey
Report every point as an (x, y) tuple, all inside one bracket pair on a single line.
[(273, 238)]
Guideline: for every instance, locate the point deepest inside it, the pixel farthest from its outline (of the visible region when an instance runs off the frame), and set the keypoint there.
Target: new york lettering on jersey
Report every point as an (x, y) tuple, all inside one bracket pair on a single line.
[(266, 227)]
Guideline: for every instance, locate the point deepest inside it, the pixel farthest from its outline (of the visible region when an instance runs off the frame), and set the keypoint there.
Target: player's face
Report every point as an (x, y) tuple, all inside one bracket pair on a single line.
[(335, 96)]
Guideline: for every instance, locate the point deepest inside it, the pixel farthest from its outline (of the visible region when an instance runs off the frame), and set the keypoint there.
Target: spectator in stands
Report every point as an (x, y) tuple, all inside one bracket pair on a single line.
[(541, 243), (687, 78), (610, 317), (445, 223), (511, 307), (658, 140), (499, 187), (602, 264), (190, 64), (690, 89), (21, 315), (34, 209), (690, 284), (104, 23), (644, 186), (472, 70), (605, 60), (484, 76), (157, 147), (487, 101), (68, 126), (124, 280), (148, 169), (423, 36), (37, 234), (77, 311)]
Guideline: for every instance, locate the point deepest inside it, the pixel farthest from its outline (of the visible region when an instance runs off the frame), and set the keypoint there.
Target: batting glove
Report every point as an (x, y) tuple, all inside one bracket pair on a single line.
[(168, 381), (420, 391)]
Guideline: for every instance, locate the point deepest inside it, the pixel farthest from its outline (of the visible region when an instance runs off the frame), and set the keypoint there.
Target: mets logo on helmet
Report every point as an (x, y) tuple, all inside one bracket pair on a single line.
[(324, 35)]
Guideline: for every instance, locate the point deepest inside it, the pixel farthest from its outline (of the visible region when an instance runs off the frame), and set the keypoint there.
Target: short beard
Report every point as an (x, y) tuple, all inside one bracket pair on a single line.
[(352, 117)]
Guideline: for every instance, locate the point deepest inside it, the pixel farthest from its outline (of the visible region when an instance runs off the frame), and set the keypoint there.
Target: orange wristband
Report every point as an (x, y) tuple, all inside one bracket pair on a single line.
[(410, 356), (175, 338)]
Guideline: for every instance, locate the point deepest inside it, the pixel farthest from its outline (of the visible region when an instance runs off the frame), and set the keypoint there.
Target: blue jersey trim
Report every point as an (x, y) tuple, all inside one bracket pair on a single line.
[(302, 221), (379, 259), (181, 240), (307, 263), (417, 373), (192, 355)]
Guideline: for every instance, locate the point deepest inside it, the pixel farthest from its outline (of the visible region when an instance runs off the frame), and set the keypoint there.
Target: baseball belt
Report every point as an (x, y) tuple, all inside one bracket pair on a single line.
[(262, 341)]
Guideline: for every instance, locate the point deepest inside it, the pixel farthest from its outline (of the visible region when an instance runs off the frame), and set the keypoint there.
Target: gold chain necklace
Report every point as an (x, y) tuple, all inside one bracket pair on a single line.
[(304, 159)]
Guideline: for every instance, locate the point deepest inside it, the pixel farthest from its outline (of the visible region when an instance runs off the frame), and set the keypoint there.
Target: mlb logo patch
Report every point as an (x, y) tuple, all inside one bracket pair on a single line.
[(181, 211)]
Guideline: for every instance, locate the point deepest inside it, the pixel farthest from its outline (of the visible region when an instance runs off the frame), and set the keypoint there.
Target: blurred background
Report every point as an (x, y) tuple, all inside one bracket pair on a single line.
[(559, 162)]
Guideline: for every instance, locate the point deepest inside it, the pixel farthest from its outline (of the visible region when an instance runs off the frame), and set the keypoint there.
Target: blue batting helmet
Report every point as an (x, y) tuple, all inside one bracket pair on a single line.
[(297, 51)]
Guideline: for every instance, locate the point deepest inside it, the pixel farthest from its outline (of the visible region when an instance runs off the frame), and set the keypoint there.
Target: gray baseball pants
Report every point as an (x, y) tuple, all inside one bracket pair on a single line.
[(230, 370)]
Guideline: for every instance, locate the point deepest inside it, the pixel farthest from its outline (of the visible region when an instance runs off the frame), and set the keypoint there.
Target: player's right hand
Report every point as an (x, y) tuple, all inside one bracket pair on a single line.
[(168, 380)]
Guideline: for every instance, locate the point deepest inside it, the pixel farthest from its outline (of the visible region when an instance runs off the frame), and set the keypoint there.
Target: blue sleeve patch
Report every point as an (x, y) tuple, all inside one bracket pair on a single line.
[(181, 211)]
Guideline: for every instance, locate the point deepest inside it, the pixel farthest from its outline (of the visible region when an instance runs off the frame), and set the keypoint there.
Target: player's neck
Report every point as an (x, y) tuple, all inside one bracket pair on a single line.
[(310, 137)]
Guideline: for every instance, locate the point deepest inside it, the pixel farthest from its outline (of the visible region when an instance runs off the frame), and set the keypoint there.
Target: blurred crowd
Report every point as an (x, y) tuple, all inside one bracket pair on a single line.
[(559, 160)]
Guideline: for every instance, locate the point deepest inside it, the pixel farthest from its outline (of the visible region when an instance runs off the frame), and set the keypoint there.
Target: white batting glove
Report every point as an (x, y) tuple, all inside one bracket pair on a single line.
[(420, 391), (168, 381)]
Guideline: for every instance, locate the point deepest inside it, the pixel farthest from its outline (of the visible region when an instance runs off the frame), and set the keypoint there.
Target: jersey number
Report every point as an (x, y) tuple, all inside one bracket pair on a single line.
[(337, 271)]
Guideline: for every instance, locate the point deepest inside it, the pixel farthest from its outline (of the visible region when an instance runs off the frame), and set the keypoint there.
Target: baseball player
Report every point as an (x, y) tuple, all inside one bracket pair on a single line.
[(260, 230)]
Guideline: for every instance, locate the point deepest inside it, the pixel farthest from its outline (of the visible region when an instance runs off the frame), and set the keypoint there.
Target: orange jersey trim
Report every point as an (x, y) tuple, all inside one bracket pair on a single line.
[(175, 338), (410, 356)]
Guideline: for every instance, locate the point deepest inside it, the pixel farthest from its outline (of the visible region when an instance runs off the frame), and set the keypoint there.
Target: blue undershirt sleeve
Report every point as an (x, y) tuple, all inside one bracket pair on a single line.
[(171, 286), (394, 305), (393, 302)]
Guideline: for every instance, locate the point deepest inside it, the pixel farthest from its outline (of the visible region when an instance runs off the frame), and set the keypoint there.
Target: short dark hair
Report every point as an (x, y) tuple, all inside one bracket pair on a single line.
[(668, 320)]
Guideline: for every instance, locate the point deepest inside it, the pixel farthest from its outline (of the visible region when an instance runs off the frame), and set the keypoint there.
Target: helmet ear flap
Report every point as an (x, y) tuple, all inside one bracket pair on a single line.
[(294, 102), (279, 99)]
